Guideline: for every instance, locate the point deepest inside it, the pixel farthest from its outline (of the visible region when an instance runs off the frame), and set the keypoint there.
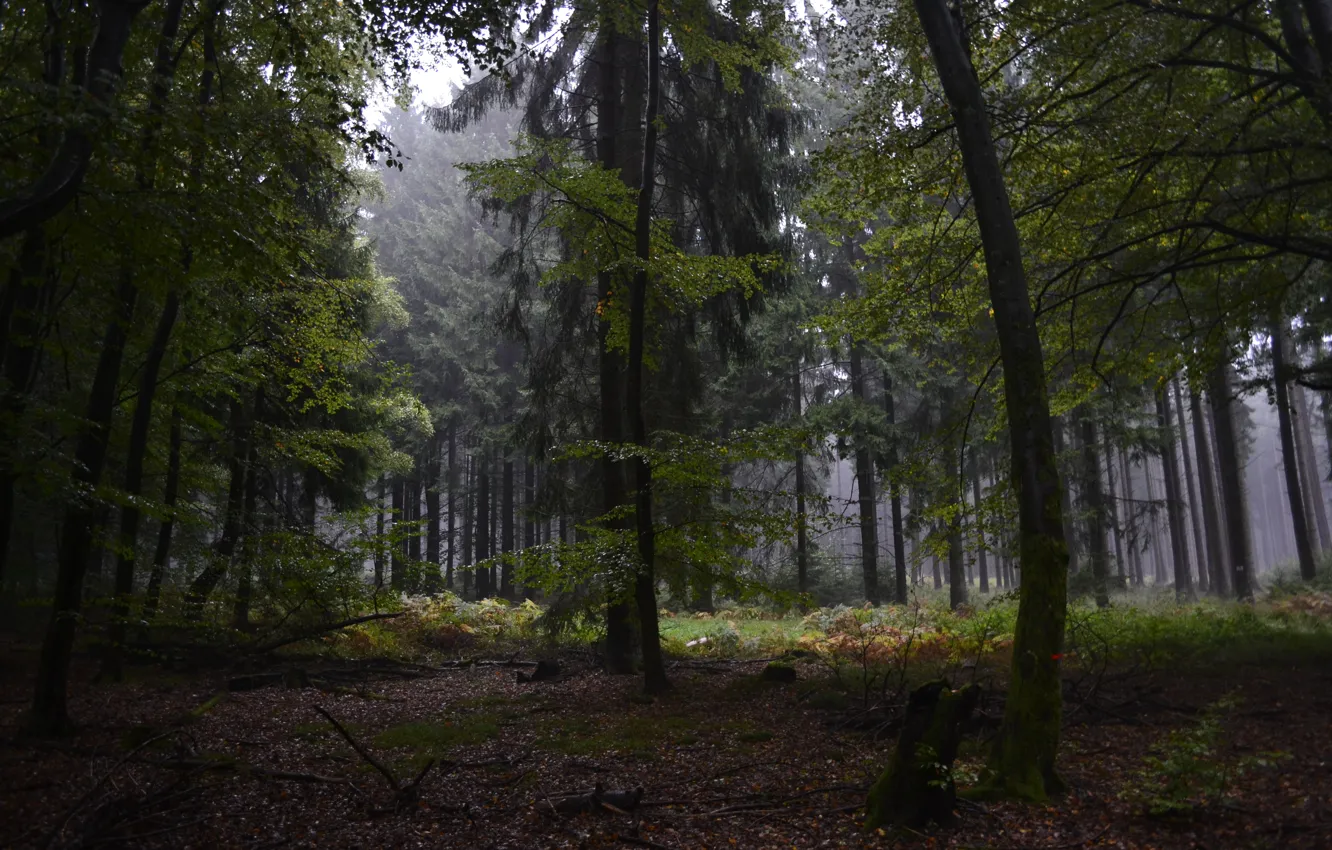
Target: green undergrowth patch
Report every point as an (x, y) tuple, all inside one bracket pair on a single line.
[(1160, 634), (638, 734), (426, 740), (721, 635)]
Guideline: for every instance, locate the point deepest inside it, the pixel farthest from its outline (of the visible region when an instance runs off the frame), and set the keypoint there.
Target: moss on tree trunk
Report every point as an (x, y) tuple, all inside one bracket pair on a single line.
[(918, 785)]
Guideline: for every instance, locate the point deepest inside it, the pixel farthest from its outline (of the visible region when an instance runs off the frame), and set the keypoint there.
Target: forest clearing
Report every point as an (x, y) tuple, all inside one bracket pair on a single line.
[(1176, 735), (666, 423)]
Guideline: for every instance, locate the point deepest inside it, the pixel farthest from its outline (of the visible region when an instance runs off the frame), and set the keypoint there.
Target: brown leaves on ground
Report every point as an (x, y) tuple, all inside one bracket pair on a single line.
[(726, 761)]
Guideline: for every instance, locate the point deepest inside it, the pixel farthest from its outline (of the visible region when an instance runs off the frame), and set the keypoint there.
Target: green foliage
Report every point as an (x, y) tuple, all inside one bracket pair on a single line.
[(593, 211), (1190, 768)]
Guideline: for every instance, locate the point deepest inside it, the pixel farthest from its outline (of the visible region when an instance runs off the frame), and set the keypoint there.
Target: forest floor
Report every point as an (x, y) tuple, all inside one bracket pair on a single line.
[(725, 760)]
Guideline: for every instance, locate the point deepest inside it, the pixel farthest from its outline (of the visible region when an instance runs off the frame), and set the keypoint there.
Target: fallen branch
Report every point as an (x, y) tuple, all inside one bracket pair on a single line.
[(362, 751), (316, 631), (403, 795)]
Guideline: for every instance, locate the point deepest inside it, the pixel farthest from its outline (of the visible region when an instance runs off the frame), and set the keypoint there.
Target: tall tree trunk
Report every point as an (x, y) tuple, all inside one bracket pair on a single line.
[(411, 503), (802, 531), (1113, 497), (869, 543), (1299, 516), (1066, 500), (1153, 523), (1195, 518), (1022, 762), (506, 532), (1216, 557), (530, 525), (162, 552), (1134, 547), (1174, 502), (895, 499), (469, 577), (382, 492), (140, 426), (620, 639), (481, 533), (224, 549), (1094, 497), (1304, 449), (980, 531), (645, 592), (453, 492), (1233, 492), (398, 511), (249, 545), (432, 577), (49, 707), (957, 575)]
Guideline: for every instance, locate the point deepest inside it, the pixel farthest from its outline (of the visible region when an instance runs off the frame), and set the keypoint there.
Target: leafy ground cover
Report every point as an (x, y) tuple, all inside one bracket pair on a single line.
[(1183, 730)]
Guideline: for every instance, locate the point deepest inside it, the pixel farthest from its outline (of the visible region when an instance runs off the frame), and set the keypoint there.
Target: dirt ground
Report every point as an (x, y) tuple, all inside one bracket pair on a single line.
[(724, 760)]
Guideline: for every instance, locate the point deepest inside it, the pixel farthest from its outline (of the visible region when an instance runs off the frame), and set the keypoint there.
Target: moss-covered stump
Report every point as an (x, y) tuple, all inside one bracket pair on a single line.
[(918, 785)]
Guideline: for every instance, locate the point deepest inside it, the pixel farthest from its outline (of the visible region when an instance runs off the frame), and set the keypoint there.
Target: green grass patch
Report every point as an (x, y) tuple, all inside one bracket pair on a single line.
[(436, 739), (639, 734)]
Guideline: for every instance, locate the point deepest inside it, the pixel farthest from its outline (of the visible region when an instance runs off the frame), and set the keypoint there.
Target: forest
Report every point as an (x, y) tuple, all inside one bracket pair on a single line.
[(666, 423)]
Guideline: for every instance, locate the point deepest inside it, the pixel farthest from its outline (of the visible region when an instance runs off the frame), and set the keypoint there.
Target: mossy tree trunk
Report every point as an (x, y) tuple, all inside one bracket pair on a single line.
[(917, 787), (1023, 760)]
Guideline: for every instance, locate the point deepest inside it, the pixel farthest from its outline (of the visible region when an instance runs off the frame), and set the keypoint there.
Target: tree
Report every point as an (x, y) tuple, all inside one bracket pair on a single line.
[(1023, 760), (1299, 517)]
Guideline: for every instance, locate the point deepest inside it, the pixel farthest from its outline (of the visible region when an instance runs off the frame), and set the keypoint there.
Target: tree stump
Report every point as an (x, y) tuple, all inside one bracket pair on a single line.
[(917, 786)]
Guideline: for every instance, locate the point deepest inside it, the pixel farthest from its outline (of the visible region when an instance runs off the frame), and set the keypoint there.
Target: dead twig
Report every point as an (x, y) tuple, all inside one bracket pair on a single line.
[(362, 751)]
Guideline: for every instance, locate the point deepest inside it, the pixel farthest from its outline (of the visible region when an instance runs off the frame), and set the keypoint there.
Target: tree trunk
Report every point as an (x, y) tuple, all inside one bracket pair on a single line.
[(869, 544), (1094, 497), (1312, 481), (1066, 500), (980, 532), (1195, 518), (141, 424), (481, 532), (1233, 492), (162, 552), (245, 580), (1174, 501), (1154, 526), (469, 577), (1216, 558), (1134, 538), (645, 593), (957, 571), (398, 511), (895, 499), (506, 532), (918, 787), (1022, 762), (1112, 494), (1299, 517), (453, 492), (432, 577), (219, 560), (802, 532), (49, 708), (379, 532)]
